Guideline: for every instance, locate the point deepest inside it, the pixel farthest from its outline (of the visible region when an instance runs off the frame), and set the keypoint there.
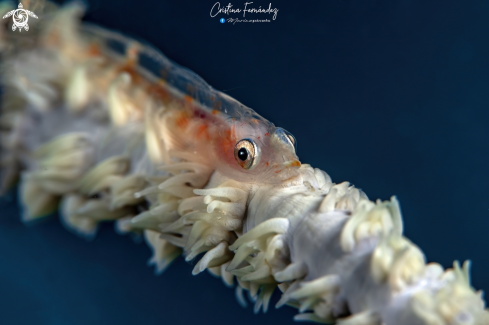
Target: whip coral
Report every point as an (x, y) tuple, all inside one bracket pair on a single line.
[(89, 127)]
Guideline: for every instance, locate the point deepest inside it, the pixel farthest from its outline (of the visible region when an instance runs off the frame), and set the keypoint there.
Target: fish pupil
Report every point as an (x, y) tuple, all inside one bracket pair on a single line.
[(243, 154)]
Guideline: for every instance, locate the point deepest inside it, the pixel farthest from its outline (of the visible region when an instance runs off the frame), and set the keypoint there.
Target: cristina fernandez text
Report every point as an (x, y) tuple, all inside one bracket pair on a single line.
[(216, 9)]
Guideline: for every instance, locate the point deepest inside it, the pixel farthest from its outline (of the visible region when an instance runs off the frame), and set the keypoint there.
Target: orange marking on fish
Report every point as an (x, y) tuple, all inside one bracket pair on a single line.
[(182, 121), (160, 92), (295, 163), (267, 134), (226, 145), (132, 54), (94, 49), (215, 111), (202, 130)]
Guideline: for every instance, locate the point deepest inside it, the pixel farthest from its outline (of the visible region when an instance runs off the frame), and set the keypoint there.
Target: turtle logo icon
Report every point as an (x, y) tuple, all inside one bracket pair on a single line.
[(20, 17)]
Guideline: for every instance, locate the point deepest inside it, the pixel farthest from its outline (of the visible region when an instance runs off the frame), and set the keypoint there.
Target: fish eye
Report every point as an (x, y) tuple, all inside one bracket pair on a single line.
[(246, 153)]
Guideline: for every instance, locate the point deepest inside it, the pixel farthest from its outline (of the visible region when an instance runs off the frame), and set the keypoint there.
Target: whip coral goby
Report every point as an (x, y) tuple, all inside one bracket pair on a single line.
[(106, 128)]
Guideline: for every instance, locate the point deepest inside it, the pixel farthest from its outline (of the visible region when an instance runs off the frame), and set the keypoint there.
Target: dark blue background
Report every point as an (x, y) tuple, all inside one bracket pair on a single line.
[(390, 95)]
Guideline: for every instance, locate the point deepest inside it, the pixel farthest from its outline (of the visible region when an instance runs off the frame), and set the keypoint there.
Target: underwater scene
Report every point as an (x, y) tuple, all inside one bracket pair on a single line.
[(391, 96)]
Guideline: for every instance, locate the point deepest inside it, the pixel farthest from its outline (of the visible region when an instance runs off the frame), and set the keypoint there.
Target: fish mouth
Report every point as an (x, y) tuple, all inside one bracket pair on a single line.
[(284, 172), (292, 163)]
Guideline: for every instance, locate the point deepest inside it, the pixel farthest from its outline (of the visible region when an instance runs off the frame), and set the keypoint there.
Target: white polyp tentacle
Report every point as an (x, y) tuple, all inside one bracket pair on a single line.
[(240, 296), (178, 241), (323, 179), (70, 204), (197, 232), (453, 301), (215, 271), (348, 201), (211, 237), (151, 219), (259, 273), (329, 202), (292, 272), (264, 242), (217, 219), (364, 318), (310, 294), (36, 201), (233, 194), (254, 288), (227, 277), (78, 91), (155, 145), (260, 294), (202, 229), (262, 250), (312, 317), (340, 197), (271, 226), (235, 209), (277, 253), (264, 297), (121, 109), (317, 295), (407, 268), (122, 191), (191, 204), (58, 165), (166, 216), (62, 143), (371, 220), (82, 215), (316, 287), (103, 193), (244, 284), (147, 191), (103, 175), (398, 261), (215, 257), (163, 252), (62, 161), (240, 255), (183, 184), (341, 188)]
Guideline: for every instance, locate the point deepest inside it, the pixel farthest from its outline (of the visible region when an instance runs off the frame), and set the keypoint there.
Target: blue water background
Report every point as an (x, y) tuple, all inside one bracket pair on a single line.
[(392, 96)]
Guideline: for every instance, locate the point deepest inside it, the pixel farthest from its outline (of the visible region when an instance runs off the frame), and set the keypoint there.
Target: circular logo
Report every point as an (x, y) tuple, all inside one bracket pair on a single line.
[(222, 20), (20, 17)]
